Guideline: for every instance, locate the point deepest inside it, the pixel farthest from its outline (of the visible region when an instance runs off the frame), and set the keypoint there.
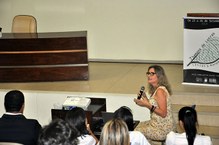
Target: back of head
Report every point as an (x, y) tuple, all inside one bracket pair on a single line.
[(13, 101), (77, 118), (115, 132), (126, 115), (188, 116), (58, 132)]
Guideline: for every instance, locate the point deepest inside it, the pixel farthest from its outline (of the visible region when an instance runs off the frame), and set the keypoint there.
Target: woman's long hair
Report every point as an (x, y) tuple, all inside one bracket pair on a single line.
[(77, 118), (115, 132), (126, 115), (162, 79), (188, 116)]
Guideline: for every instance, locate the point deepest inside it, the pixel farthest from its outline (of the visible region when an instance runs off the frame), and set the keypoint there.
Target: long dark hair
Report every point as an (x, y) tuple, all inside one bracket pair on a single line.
[(126, 115), (188, 116), (162, 79), (77, 118), (58, 132)]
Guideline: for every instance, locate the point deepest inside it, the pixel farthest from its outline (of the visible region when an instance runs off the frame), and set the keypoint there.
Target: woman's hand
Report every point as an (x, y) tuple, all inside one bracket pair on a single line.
[(143, 102)]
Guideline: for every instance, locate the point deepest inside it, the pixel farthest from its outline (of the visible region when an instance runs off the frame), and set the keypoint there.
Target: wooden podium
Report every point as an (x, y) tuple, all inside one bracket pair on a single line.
[(37, 57)]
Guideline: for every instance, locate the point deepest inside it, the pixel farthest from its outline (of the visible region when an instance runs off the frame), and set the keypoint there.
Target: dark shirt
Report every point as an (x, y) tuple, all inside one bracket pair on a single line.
[(19, 129)]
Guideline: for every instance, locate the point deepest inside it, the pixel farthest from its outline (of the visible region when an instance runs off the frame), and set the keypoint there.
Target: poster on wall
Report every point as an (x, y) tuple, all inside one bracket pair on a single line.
[(201, 51)]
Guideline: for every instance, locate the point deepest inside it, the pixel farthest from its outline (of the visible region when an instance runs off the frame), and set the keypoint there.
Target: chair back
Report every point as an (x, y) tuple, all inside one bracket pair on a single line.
[(24, 24)]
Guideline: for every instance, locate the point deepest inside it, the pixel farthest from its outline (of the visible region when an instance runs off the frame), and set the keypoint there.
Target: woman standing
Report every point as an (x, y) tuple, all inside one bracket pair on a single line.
[(161, 120)]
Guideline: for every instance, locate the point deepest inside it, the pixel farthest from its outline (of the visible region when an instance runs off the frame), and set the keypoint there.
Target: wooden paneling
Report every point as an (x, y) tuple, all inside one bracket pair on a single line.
[(202, 14), (46, 73), (60, 56), (43, 58)]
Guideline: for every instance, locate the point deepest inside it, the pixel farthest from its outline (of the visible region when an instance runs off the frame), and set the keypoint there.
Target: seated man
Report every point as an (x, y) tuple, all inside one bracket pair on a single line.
[(14, 126)]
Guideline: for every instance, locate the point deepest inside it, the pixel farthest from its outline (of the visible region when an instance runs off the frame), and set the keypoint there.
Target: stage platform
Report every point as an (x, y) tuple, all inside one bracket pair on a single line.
[(121, 81), (121, 78)]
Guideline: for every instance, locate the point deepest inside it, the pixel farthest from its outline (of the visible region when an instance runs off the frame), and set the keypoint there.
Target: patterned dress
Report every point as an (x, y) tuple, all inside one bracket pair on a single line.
[(157, 127)]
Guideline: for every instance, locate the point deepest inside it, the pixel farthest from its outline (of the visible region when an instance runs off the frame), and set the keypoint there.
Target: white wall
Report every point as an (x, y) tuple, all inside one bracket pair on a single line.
[(117, 29), (38, 104)]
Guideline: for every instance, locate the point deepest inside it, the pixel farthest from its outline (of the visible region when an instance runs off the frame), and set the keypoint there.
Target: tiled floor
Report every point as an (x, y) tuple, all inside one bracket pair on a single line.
[(124, 78)]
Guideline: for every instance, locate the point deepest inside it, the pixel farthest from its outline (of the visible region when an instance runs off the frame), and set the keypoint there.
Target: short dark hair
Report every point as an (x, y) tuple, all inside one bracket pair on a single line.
[(13, 101), (58, 132)]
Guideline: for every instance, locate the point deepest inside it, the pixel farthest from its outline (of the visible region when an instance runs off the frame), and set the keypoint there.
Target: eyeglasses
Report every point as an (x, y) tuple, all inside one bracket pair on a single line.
[(150, 73)]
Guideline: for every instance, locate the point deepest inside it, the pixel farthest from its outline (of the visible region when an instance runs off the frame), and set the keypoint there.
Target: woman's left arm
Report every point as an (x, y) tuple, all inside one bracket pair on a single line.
[(160, 97)]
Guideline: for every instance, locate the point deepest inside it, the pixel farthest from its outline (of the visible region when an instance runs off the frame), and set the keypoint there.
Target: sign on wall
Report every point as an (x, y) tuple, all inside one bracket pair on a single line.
[(201, 51)]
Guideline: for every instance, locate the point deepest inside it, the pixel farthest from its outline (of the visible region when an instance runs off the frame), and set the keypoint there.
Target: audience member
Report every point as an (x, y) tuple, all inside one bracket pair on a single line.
[(77, 118), (115, 132), (158, 102), (136, 137), (14, 126), (188, 122), (58, 132)]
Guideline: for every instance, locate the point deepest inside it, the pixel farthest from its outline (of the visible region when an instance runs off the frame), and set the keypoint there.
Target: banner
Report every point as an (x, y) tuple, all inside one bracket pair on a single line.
[(201, 51)]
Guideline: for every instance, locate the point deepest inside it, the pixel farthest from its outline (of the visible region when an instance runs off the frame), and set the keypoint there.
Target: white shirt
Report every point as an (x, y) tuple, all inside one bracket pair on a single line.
[(86, 140), (137, 138), (180, 139), (9, 113)]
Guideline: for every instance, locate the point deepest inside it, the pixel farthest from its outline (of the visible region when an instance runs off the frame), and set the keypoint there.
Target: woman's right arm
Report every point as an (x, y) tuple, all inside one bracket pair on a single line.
[(92, 134), (143, 102)]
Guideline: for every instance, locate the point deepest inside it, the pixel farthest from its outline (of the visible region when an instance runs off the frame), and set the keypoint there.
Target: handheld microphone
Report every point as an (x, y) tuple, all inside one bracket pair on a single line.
[(141, 92)]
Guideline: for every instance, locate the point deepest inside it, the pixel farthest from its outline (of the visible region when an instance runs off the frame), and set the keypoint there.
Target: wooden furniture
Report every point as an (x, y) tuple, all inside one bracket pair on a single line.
[(36, 57), (202, 14), (9, 143), (93, 112)]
